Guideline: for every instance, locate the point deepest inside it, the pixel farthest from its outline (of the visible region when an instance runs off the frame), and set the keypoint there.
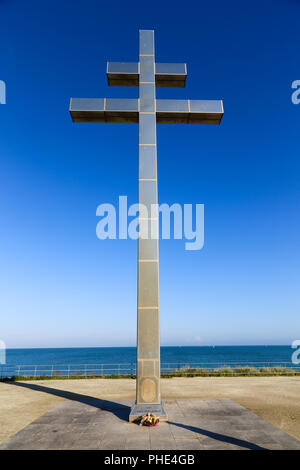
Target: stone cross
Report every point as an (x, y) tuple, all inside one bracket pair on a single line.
[(147, 111)]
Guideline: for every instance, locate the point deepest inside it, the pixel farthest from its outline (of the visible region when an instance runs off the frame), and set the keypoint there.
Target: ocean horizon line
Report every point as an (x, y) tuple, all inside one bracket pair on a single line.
[(162, 346)]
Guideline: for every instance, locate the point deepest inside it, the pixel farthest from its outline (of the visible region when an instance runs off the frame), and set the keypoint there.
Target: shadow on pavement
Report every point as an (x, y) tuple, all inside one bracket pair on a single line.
[(118, 409), (220, 437)]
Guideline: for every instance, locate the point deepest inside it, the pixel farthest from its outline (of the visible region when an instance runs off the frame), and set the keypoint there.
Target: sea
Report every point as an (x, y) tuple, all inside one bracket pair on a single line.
[(89, 361)]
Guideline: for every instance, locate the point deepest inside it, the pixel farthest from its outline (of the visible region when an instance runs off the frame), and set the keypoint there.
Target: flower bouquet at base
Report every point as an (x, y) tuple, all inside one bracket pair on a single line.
[(149, 419)]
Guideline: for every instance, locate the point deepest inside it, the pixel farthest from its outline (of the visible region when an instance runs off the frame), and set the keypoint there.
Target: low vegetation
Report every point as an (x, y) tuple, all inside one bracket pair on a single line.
[(233, 372), (244, 371)]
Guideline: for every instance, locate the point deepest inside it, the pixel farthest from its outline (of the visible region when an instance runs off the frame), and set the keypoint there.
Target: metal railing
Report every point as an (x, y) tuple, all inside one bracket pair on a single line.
[(67, 370), (129, 369)]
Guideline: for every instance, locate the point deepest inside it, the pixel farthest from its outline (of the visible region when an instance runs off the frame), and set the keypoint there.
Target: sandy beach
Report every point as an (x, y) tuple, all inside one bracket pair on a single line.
[(276, 399)]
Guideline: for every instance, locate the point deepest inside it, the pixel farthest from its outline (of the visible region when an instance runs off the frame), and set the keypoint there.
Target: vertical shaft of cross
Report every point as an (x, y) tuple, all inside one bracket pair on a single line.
[(148, 335), (147, 111)]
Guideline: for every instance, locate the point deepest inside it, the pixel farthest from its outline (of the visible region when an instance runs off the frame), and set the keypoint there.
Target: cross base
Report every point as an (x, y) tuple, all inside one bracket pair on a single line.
[(141, 409)]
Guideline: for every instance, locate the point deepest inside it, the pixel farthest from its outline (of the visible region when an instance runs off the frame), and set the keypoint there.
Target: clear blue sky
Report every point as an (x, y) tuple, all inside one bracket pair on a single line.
[(60, 285)]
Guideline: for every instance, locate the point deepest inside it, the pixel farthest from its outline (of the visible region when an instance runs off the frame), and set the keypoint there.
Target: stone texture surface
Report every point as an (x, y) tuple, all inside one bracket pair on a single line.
[(148, 337), (141, 409), (194, 424)]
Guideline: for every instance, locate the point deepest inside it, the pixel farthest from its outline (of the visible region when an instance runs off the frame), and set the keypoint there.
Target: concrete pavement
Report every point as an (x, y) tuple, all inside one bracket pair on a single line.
[(194, 424)]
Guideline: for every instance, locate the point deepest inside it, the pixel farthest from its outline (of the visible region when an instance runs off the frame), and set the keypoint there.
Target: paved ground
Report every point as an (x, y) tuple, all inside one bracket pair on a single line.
[(275, 399), (193, 424)]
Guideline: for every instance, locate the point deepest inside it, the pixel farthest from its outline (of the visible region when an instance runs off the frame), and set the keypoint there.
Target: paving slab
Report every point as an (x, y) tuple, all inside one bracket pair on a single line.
[(194, 424)]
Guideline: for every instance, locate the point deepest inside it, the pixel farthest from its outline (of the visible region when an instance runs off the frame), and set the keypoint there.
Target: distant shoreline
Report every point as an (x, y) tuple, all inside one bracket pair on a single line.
[(162, 346)]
